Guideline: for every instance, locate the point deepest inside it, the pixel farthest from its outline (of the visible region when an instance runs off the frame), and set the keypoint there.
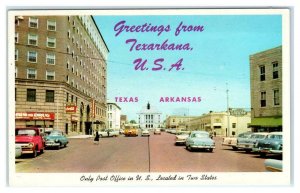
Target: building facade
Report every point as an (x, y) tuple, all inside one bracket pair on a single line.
[(266, 90), (60, 73), (113, 116), (123, 121), (179, 122), (223, 123), (149, 117)]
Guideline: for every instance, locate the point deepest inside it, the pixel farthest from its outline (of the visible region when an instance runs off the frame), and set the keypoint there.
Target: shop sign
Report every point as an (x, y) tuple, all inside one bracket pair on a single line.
[(35, 116), (71, 109)]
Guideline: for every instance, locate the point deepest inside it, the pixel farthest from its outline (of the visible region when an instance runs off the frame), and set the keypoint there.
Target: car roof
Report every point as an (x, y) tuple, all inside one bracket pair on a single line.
[(199, 132)]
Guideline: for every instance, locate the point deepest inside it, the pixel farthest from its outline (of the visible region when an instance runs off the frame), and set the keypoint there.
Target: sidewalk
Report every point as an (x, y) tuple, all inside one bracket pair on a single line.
[(80, 136)]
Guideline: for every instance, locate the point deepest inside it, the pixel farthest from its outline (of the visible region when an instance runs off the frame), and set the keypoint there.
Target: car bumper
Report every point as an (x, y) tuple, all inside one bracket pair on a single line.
[(202, 147), (245, 146), (52, 144), (179, 142)]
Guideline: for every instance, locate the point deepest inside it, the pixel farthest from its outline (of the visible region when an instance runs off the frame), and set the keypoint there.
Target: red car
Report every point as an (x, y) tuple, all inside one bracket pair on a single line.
[(30, 140)]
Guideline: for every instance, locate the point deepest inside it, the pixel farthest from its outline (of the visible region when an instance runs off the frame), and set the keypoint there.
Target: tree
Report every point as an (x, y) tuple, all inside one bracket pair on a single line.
[(132, 122)]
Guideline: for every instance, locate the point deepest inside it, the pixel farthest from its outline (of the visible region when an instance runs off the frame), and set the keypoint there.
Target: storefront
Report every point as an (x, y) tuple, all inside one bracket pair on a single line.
[(266, 124), (35, 119)]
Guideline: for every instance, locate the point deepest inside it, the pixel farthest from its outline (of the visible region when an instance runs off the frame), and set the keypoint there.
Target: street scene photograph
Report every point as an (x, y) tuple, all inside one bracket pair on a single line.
[(138, 96)]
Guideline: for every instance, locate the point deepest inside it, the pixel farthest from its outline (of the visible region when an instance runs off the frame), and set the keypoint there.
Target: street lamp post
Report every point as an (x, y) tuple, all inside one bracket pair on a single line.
[(228, 124)]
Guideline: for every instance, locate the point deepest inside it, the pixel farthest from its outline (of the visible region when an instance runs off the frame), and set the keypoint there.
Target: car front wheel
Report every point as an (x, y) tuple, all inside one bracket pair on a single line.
[(34, 153)]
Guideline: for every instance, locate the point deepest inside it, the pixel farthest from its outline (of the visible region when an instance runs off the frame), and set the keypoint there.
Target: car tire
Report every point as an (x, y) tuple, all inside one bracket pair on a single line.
[(234, 148), (34, 153), (262, 154), (41, 151), (58, 147), (247, 150), (211, 150)]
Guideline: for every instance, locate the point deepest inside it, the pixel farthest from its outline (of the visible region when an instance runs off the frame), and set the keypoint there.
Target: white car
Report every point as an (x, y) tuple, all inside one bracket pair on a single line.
[(145, 132), (157, 132), (181, 137)]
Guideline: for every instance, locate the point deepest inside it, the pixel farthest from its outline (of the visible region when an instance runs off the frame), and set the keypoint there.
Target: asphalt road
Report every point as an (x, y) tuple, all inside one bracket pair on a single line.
[(156, 153)]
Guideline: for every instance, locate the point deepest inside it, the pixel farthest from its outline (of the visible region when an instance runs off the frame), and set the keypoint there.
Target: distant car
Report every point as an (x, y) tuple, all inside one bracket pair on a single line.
[(121, 131), (232, 141), (157, 132), (56, 139), (181, 137), (109, 133), (200, 140), (173, 131), (248, 143), (131, 130), (271, 145), (145, 132)]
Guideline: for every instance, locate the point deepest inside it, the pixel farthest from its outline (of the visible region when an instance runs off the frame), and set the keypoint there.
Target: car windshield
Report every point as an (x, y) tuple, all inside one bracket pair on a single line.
[(199, 135), (55, 134), (26, 132), (275, 136), (244, 135), (257, 136)]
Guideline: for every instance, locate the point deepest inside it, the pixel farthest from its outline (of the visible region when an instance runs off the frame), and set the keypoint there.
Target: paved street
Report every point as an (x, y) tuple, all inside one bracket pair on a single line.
[(139, 154)]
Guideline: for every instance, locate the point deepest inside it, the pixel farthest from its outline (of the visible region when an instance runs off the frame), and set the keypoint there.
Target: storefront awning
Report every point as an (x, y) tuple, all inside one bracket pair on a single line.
[(267, 122)]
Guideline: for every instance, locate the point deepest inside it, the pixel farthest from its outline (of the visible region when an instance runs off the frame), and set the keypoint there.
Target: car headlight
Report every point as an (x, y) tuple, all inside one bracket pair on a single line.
[(56, 140), (256, 144), (30, 145)]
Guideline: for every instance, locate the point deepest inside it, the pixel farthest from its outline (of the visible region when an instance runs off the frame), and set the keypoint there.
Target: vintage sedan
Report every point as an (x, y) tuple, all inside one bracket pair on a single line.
[(271, 145), (181, 137), (232, 141), (56, 139), (157, 132), (248, 143), (200, 140), (145, 132)]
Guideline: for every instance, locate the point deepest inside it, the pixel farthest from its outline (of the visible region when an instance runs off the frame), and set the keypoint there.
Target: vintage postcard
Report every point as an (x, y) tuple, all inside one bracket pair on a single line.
[(149, 97)]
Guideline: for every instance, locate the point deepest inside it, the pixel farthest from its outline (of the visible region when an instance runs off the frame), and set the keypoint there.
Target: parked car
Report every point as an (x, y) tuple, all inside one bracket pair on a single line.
[(145, 132), (248, 143), (200, 140), (109, 133), (30, 140), (157, 132), (56, 139), (232, 141), (273, 165), (121, 131), (271, 145), (181, 137)]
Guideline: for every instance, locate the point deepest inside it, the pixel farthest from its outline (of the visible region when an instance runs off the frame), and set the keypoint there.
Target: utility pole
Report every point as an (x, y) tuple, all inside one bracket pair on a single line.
[(228, 124)]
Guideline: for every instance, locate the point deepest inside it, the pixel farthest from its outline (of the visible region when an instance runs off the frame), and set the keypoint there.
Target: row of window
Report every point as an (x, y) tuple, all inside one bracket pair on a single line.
[(32, 57), (32, 40), (33, 22), (31, 95), (275, 74), (263, 98), (32, 74)]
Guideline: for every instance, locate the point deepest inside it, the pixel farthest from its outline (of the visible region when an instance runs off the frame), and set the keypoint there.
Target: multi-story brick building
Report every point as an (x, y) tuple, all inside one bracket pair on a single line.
[(60, 73), (266, 90)]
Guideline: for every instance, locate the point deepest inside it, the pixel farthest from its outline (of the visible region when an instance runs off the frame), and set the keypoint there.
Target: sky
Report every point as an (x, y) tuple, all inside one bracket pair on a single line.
[(218, 59)]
